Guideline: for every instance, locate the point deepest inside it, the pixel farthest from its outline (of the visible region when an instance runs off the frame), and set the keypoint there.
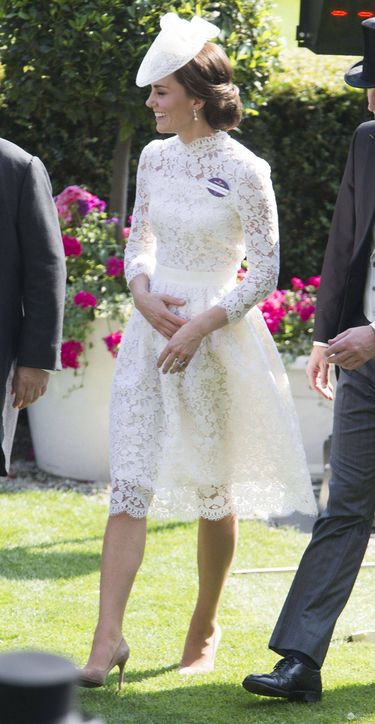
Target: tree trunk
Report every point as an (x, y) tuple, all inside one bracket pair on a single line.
[(120, 179)]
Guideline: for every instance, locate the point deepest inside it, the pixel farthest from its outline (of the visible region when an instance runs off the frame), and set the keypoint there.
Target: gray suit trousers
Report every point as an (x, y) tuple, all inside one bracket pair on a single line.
[(330, 564)]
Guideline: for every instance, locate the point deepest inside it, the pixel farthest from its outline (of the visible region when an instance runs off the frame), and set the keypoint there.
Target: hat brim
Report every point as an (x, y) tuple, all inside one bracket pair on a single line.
[(354, 77)]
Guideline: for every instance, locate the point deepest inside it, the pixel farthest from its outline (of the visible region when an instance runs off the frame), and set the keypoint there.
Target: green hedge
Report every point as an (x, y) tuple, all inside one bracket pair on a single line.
[(304, 132), (70, 73)]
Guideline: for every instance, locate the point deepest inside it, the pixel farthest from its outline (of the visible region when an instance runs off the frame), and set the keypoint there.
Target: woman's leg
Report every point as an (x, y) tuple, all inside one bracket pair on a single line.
[(216, 548), (123, 548)]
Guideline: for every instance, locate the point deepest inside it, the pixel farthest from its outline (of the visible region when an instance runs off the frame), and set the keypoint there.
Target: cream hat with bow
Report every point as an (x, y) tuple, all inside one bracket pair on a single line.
[(178, 42)]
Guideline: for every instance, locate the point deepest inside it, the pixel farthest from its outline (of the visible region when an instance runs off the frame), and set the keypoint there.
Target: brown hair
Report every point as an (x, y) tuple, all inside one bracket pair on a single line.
[(209, 77)]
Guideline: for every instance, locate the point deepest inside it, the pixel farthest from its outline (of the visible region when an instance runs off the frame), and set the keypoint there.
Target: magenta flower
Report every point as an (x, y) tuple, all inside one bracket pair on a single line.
[(72, 246), (126, 232), (113, 342), (114, 266), (305, 310), (274, 305), (273, 310), (85, 299), (297, 283), (313, 282), (75, 198), (90, 203), (289, 316), (70, 352), (273, 323), (241, 273)]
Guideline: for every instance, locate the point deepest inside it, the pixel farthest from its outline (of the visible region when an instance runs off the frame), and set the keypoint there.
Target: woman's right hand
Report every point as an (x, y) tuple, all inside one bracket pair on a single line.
[(154, 308)]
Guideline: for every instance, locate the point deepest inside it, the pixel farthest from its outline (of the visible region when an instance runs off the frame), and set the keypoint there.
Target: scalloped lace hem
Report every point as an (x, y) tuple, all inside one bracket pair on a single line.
[(212, 502)]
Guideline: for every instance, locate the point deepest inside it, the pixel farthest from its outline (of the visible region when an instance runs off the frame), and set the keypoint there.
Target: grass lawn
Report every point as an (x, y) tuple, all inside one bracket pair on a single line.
[(49, 569)]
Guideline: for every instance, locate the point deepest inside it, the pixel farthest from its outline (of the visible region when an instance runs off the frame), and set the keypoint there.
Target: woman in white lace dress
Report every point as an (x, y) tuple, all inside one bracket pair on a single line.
[(202, 421)]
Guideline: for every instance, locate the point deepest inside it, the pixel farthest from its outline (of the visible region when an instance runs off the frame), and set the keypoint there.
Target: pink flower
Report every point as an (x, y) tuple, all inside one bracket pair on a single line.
[(273, 323), (274, 309), (90, 203), (70, 352), (297, 283), (85, 299), (72, 246), (274, 304), (113, 342), (114, 266), (126, 232), (241, 273), (75, 198), (305, 310), (313, 282)]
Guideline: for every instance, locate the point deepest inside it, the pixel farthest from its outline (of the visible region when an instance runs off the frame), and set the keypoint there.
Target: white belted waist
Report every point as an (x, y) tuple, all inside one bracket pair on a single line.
[(195, 277)]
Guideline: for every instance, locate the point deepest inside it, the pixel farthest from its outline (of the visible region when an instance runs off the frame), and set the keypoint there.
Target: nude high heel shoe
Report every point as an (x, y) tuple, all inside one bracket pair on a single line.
[(209, 665), (91, 678)]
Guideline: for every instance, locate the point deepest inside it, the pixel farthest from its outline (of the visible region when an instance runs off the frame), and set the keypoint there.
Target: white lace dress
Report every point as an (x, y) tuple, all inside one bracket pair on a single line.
[(223, 435)]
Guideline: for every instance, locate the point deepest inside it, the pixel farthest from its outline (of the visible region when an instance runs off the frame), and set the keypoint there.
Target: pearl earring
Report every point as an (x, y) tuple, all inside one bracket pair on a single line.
[(195, 114)]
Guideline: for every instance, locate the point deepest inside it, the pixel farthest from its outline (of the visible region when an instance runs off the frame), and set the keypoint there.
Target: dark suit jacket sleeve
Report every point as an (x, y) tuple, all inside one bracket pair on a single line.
[(43, 271), (337, 256)]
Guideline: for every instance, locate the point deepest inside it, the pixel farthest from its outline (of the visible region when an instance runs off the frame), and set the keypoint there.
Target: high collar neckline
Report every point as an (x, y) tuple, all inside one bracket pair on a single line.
[(204, 143)]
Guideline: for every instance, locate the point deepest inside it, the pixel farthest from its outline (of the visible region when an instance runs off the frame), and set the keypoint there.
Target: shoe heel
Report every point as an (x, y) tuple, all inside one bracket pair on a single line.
[(306, 697), (121, 673)]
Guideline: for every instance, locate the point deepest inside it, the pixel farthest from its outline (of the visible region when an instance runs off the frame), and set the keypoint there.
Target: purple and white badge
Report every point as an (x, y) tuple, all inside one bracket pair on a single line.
[(217, 187)]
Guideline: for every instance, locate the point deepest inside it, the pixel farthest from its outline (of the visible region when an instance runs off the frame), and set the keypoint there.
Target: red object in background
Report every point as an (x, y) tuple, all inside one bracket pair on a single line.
[(365, 14), (339, 13)]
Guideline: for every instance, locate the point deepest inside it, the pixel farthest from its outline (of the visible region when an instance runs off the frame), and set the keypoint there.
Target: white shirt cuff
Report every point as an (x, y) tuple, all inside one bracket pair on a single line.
[(322, 344)]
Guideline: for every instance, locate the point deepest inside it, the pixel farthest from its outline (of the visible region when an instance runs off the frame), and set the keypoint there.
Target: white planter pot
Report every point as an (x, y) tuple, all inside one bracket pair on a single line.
[(69, 429), (315, 415)]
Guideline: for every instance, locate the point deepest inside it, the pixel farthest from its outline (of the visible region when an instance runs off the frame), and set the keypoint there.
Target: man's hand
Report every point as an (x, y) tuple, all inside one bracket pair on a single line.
[(28, 384), (352, 348), (318, 372)]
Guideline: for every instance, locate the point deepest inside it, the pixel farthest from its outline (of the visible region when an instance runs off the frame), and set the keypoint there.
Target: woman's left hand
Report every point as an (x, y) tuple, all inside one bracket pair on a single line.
[(180, 349)]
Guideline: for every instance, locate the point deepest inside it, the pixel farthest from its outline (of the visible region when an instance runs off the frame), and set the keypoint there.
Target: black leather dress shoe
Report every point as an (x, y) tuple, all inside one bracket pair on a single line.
[(290, 679)]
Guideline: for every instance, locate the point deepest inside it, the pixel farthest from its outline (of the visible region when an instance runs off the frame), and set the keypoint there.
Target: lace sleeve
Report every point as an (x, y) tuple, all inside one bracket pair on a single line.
[(140, 249), (256, 206)]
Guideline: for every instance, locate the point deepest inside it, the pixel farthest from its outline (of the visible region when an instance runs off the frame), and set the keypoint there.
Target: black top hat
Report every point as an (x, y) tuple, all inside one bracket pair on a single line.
[(37, 688), (362, 74)]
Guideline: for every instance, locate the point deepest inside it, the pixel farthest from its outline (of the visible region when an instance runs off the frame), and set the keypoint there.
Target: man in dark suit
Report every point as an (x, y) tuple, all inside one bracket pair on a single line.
[(32, 287), (344, 335)]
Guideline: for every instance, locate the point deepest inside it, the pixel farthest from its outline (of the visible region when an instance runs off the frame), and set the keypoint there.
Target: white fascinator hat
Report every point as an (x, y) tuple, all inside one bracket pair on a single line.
[(178, 42)]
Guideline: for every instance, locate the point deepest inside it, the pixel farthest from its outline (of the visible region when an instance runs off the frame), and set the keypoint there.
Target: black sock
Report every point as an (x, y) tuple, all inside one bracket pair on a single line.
[(303, 658)]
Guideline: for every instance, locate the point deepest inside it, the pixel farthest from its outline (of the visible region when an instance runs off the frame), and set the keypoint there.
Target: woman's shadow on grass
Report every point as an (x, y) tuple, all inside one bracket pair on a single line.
[(43, 562), (195, 703)]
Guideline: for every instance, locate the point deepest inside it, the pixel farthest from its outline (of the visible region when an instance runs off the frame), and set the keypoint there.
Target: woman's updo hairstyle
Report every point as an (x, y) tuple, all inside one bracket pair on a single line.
[(209, 77)]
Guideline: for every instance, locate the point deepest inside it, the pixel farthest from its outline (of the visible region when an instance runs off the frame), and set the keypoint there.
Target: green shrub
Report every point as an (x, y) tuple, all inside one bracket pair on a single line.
[(304, 132), (70, 76)]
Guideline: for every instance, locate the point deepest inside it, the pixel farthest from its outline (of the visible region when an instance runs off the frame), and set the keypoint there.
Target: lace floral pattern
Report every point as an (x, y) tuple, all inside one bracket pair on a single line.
[(222, 436), (210, 502), (204, 206)]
